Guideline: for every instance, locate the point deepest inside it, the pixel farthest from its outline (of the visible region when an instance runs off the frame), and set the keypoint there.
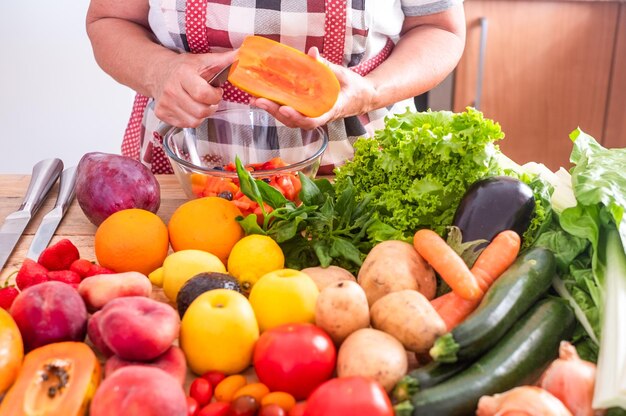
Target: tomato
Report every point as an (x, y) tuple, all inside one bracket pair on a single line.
[(244, 406), (192, 406), (214, 377), (349, 395), (202, 391), (298, 409), (294, 358), (272, 410), (215, 409)]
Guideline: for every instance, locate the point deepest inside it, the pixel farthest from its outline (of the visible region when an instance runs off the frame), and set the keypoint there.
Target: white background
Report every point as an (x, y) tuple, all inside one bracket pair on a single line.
[(54, 99)]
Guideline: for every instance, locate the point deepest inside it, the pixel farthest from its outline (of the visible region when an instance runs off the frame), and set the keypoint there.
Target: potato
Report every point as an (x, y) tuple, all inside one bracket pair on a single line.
[(373, 354), (392, 266), (341, 309), (409, 317), (107, 183), (324, 276)]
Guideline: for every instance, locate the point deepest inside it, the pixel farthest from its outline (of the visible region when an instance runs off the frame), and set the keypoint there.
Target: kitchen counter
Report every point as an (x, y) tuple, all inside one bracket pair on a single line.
[(75, 225)]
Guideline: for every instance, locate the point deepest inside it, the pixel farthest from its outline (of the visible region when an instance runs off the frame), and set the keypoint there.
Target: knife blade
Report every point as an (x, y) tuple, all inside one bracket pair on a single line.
[(45, 174), (52, 219)]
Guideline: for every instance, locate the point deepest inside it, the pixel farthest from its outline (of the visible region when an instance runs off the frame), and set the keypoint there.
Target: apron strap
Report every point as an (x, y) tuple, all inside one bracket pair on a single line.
[(134, 130)]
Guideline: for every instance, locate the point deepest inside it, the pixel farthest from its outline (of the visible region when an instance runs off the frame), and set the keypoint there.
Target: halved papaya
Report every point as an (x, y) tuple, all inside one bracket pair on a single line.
[(269, 69), (11, 350), (56, 380)]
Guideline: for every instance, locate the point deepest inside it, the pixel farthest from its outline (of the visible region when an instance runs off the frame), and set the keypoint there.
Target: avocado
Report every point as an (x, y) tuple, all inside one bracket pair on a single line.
[(203, 282)]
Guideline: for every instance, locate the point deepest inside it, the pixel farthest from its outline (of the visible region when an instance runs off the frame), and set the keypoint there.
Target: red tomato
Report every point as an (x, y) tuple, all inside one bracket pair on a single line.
[(192, 406), (214, 377), (294, 358), (215, 409), (202, 391), (349, 395), (272, 410), (244, 406), (298, 409)]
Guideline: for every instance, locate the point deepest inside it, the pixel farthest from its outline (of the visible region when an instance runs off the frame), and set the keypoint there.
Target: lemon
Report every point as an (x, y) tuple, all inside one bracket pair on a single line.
[(181, 266), (252, 257)]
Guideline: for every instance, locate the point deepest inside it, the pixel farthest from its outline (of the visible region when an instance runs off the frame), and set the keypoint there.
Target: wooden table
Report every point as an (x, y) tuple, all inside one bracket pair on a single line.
[(75, 225)]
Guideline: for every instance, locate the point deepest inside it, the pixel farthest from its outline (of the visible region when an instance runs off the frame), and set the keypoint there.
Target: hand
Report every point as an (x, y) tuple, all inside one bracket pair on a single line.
[(355, 97), (182, 94)]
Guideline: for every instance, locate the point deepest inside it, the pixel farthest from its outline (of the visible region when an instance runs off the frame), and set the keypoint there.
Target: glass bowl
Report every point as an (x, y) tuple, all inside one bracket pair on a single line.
[(203, 158)]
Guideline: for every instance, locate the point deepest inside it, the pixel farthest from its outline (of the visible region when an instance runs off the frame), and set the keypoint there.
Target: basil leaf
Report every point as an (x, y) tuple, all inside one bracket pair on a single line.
[(325, 187), (271, 195), (247, 183), (310, 194), (250, 225), (323, 253), (345, 249), (285, 230)]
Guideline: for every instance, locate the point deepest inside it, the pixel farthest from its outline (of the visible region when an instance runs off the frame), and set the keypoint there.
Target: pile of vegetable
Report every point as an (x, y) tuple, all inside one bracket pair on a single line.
[(506, 319)]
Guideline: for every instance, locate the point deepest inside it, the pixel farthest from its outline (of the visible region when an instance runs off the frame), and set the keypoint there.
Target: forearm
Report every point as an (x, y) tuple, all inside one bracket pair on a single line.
[(128, 52), (422, 58)]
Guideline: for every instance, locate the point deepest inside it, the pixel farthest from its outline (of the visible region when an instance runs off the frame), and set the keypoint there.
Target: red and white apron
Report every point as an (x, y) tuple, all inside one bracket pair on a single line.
[(220, 25)]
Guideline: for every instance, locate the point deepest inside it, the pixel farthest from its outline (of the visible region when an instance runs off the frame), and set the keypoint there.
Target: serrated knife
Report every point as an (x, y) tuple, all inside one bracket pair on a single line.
[(52, 219), (45, 174)]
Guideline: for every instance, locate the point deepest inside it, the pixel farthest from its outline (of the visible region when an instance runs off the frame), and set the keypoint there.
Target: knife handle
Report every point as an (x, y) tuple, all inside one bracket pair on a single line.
[(67, 188), (45, 174)]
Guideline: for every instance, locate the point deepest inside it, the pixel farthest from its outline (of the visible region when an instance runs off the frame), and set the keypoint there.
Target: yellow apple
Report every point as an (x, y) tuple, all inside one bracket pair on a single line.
[(283, 297), (218, 332)]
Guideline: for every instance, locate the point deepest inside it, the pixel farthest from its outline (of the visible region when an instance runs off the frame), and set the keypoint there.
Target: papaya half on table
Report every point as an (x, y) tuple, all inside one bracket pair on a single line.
[(280, 73), (56, 379)]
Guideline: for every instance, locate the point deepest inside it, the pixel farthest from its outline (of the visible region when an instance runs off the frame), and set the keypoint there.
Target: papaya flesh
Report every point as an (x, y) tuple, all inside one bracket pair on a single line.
[(56, 379), (11, 351), (285, 75)]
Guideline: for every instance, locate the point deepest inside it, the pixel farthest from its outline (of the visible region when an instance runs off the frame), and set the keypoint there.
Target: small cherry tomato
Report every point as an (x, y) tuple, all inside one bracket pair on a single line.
[(226, 389), (272, 410), (215, 409), (298, 409), (281, 398), (202, 391), (192, 406), (256, 390), (244, 406), (214, 377)]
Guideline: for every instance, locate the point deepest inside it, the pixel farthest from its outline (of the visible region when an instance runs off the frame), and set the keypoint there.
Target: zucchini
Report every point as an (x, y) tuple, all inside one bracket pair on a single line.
[(424, 377), (517, 359), (510, 296)]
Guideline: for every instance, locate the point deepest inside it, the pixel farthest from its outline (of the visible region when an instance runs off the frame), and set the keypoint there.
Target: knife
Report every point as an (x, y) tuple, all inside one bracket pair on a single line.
[(52, 219), (45, 174)]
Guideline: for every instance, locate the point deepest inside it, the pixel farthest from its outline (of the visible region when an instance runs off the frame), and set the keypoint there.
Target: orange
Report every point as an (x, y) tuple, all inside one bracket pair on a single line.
[(206, 224), (132, 240)]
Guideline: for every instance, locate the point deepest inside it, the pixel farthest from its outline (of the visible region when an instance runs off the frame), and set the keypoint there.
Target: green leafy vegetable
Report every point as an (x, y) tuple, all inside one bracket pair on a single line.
[(326, 228)]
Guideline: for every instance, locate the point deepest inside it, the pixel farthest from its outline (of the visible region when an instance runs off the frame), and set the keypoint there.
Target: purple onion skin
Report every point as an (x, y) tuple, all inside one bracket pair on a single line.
[(107, 183)]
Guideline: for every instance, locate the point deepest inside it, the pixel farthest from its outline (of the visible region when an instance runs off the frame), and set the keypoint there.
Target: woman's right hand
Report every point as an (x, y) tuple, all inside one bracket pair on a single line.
[(182, 94)]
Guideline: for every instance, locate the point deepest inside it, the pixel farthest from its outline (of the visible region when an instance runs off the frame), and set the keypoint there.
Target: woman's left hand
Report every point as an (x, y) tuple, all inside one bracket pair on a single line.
[(355, 97)]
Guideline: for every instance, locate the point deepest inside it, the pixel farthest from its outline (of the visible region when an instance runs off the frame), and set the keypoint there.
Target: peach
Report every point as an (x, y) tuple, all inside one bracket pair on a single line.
[(171, 361), (93, 332), (49, 312), (100, 289), (137, 328), (139, 390)]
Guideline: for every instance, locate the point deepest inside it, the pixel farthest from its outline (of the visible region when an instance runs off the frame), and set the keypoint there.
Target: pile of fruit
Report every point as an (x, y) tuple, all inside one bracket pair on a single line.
[(199, 317)]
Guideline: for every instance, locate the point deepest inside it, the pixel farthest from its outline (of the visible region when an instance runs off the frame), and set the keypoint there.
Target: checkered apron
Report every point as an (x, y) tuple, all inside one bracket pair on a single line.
[(221, 25)]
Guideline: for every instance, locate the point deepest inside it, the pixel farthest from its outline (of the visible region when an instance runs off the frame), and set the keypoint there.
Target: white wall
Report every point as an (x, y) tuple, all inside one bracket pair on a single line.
[(54, 99)]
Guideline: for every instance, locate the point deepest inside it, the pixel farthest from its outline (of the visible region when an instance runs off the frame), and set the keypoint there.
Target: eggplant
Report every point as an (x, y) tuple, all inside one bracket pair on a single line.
[(492, 205)]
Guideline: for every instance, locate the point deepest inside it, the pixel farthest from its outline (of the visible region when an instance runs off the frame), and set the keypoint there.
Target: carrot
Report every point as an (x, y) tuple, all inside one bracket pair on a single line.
[(453, 309), (447, 263), (498, 256)]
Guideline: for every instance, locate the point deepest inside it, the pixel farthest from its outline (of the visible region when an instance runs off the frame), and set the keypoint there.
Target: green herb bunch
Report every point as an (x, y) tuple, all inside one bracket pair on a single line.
[(326, 228)]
